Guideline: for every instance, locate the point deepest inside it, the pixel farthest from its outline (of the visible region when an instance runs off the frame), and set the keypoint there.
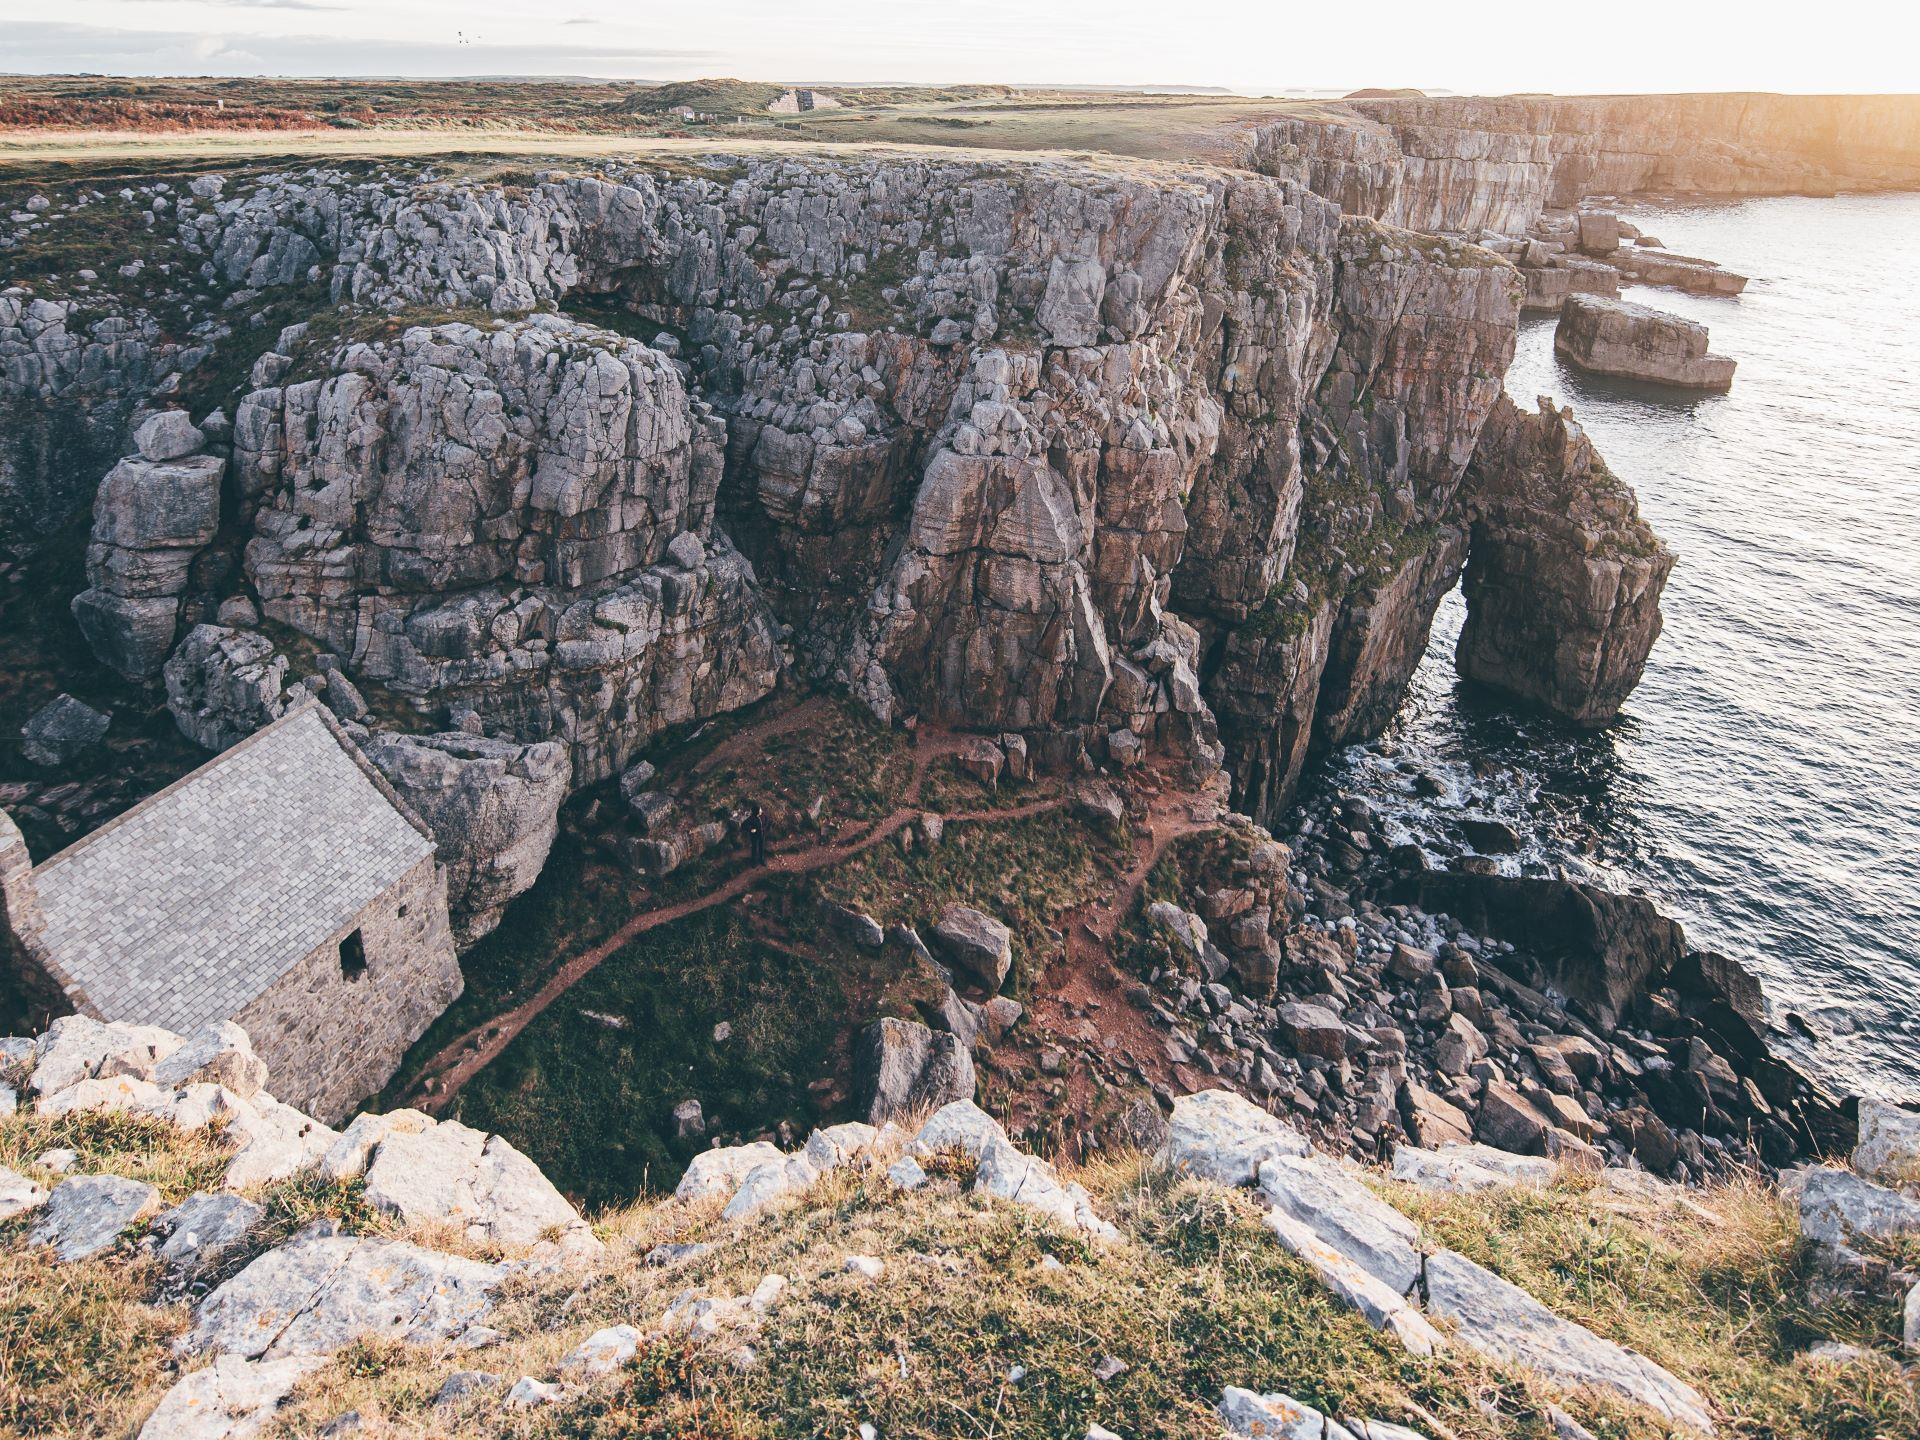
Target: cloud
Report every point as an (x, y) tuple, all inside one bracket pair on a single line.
[(251, 4), (60, 47)]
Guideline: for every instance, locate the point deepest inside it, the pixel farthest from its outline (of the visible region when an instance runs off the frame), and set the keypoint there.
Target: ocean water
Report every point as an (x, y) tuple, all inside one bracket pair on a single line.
[(1764, 781)]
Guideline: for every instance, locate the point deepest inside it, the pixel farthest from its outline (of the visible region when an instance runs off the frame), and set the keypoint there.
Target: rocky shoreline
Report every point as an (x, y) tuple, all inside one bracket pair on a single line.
[(1538, 1015)]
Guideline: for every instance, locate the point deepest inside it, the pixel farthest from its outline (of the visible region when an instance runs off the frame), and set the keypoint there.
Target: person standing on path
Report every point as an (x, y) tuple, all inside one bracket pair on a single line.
[(754, 828)]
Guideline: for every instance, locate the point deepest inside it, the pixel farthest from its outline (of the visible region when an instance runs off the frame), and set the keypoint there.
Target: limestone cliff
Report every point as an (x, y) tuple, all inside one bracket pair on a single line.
[(1104, 457), (1470, 164)]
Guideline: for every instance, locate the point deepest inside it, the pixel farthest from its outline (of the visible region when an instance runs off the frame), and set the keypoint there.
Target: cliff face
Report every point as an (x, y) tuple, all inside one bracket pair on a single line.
[(1103, 457), (1469, 164), (999, 445)]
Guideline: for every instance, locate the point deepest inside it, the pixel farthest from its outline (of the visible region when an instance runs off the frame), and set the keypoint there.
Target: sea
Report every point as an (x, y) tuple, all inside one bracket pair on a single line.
[(1763, 783)]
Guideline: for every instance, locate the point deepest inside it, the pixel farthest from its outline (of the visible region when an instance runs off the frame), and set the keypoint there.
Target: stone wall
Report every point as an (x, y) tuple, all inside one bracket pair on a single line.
[(331, 1041), (35, 988)]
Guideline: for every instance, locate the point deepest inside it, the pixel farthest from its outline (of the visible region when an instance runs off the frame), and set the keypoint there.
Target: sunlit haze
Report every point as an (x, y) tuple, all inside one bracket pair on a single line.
[(1246, 45)]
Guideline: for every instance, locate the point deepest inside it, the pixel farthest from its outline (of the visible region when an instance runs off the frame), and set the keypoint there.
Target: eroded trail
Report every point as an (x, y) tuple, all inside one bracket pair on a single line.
[(1091, 978), (464, 1057)]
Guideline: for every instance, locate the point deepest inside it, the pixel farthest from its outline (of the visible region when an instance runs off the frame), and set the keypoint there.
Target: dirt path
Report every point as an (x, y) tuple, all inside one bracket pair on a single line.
[(464, 1057), (1090, 981)]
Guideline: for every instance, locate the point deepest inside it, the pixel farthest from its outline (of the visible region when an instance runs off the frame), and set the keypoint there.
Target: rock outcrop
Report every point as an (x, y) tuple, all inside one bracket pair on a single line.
[(1637, 342), (1114, 462), (153, 513), (1377, 1261), (73, 375), (482, 519), (1563, 577), (493, 807), (1468, 164)]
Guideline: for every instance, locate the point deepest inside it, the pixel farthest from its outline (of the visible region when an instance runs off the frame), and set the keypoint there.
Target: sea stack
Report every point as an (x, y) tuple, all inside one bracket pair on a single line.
[(1617, 337)]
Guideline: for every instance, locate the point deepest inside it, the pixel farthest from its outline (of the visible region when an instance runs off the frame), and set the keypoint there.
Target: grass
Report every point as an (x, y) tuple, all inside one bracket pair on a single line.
[(1200, 1298), (80, 1346), (592, 1102), (1025, 872), (85, 1346), (577, 902), (138, 1148), (47, 123), (1197, 1298), (1722, 1304)]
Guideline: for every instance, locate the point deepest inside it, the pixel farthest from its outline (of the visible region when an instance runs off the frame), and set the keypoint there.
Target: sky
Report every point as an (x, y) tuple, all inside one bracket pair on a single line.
[(1251, 46)]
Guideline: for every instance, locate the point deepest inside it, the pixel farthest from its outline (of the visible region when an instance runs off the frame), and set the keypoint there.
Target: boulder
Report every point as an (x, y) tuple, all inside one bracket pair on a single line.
[(1346, 1215), (1021, 1179), (450, 1173), (221, 1054), (1838, 1208), (1312, 1030), (602, 1352), (18, 1194), (222, 685), (962, 1126), (1224, 1137), (493, 807), (1637, 342), (202, 1230), (1356, 1287), (718, 1172), (1593, 946), (1598, 232), (231, 1399), (1507, 1120), (1431, 1119), (1465, 1169), (274, 1142), (61, 731), (1459, 1046), (974, 942), (1276, 1417), (689, 1121), (1889, 1146), (75, 1048), (346, 1158), (902, 1066), (980, 758), (167, 435), (1186, 931), (88, 1213), (767, 1184), (1409, 965), (1503, 1322), (321, 1292), (462, 1384)]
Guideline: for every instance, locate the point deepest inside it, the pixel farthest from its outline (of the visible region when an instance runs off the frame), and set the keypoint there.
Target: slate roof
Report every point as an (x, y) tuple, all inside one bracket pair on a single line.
[(194, 902)]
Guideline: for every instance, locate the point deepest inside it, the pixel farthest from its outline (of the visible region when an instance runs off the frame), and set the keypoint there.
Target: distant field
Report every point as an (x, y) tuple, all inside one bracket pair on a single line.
[(81, 123)]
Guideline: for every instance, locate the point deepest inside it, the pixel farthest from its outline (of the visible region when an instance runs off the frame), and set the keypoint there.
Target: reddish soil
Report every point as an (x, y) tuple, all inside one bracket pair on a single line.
[(467, 1055), (1085, 999)]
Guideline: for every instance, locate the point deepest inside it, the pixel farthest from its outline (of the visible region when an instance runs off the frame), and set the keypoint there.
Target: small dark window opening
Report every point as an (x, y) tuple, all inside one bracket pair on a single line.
[(402, 912), (353, 957)]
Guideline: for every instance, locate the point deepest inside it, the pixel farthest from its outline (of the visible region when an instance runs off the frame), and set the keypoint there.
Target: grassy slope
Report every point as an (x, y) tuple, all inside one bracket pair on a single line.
[(507, 119), (1199, 1298), (593, 1103)]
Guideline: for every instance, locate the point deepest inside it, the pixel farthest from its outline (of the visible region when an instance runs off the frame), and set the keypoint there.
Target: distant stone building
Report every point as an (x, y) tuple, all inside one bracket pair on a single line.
[(283, 885)]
